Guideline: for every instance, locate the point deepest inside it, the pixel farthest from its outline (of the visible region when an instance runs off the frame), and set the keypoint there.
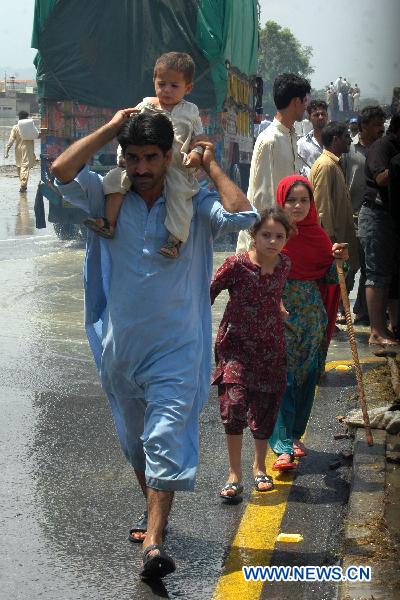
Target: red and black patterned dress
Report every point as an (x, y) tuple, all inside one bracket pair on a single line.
[(250, 348)]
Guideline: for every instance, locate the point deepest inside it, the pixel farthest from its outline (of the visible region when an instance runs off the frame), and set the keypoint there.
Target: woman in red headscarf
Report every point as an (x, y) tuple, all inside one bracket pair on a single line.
[(311, 297)]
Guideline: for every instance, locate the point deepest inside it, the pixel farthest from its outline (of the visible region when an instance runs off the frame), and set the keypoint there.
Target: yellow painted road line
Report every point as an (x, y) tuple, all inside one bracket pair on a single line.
[(332, 364), (255, 538)]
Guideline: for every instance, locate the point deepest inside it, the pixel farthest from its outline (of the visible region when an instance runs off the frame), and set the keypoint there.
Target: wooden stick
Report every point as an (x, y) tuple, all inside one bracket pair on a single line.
[(354, 352)]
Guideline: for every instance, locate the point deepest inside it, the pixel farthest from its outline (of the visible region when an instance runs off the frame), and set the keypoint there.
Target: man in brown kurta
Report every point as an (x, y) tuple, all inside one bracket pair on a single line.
[(331, 194), (24, 152)]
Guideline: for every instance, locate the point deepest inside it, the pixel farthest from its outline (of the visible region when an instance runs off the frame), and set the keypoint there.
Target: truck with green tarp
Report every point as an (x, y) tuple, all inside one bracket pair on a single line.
[(95, 57)]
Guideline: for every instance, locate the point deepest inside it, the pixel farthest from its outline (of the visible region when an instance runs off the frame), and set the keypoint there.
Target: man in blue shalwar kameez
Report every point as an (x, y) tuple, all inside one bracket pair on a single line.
[(148, 318)]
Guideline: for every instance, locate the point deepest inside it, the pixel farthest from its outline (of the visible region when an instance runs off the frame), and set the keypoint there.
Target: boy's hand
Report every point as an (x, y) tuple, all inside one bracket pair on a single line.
[(193, 160)]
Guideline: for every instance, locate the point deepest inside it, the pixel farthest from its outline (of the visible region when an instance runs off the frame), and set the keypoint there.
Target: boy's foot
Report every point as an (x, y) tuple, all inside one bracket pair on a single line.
[(263, 482), (101, 226), (171, 248)]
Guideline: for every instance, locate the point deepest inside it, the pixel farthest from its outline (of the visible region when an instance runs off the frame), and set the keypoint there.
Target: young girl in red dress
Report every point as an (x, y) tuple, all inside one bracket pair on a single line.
[(250, 348)]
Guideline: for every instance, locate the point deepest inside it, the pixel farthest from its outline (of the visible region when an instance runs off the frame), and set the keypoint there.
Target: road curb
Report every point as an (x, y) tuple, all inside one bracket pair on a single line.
[(366, 506)]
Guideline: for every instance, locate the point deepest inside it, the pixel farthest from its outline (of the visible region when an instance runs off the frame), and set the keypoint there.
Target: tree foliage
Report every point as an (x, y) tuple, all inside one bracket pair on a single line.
[(280, 52)]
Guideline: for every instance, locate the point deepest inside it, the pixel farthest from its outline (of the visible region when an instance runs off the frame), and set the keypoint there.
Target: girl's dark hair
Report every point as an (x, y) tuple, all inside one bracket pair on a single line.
[(276, 213), (297, 184)]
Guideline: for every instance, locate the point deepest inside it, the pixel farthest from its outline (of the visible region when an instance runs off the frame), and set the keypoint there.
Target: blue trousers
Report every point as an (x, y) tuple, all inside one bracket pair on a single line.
[(294, 412)]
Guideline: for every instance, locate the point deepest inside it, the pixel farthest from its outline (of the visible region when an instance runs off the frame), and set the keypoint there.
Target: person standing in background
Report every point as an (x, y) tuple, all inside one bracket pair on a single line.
[(332, 198), (378, 237), (23, 135), (309, 147), (370, 125), (275, 150)]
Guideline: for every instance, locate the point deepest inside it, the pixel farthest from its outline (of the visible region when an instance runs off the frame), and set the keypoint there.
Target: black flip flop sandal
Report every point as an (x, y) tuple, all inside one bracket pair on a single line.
[(156, 566), (139, 527), (104, 231), (263, 479)]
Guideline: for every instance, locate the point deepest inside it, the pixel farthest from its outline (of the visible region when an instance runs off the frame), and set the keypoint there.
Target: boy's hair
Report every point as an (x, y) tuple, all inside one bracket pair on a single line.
[(394, 124), (276, 213), (331, 130), (23, 114), (369, 113), (288, 86), (147, 130), (176, 61), (314, 104)]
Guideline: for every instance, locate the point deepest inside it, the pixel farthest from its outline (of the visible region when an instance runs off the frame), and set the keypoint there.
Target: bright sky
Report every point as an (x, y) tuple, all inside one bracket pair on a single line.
[(358, 39)]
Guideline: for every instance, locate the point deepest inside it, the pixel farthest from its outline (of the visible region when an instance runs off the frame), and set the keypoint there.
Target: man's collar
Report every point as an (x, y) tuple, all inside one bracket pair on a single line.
[(281, 126), (331, 155)]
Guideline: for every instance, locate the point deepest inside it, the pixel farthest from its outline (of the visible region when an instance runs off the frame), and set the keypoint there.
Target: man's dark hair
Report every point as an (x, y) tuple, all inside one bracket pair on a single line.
[(147, 130), (314, 104), (176, 61), (394, 124), (23, 114), (288, 86), (369, 113), (331, 130)]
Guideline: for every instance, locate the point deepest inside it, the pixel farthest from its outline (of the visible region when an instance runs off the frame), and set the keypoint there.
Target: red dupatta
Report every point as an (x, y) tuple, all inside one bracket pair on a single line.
[(310, 250)]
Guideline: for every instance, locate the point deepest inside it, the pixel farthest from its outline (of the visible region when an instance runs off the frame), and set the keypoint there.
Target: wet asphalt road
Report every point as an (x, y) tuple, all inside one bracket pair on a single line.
[(67, 496)]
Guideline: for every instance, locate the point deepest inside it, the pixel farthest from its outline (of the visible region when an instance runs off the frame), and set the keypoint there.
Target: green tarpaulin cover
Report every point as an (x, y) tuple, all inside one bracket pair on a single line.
[(102, 53)]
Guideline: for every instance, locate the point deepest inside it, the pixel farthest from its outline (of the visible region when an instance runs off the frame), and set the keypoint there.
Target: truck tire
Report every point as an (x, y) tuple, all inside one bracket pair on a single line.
[(70, 231)]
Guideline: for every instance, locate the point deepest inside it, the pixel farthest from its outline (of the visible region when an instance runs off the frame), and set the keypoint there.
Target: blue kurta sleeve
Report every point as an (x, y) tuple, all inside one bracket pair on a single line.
[(85, 192), (222, 221)]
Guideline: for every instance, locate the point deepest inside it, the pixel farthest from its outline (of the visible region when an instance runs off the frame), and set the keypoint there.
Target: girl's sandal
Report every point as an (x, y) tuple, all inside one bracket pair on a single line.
[(101, 226), (170, 249), (235, 486), (263, 479)]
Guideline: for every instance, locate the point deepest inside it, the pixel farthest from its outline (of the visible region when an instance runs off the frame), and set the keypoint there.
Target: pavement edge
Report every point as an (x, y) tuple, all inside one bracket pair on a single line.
[(366, 506)]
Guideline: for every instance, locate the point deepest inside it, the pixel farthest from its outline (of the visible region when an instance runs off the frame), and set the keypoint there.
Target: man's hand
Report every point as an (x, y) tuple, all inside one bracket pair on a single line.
[(209, 151), (340, 251), (6, 155), (121, 116), (382, 179)]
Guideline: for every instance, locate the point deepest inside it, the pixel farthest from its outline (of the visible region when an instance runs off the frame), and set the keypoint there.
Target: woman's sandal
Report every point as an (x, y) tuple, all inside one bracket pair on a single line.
[(231, 485), (171, 249), (263, 479), (105, 230), (283, 464), (157, 565), (299, 450)]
